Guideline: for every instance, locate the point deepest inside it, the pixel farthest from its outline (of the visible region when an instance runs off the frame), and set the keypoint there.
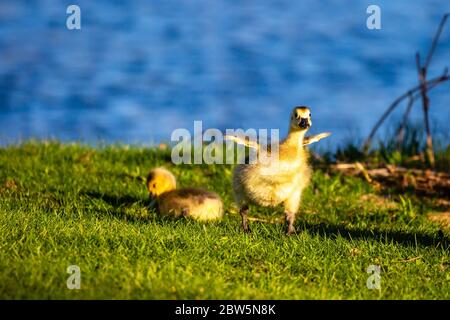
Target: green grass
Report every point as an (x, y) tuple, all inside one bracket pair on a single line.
[(64, 205)]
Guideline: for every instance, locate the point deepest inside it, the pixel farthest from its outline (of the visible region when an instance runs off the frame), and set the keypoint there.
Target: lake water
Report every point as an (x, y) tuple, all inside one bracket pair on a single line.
[(137, 70)]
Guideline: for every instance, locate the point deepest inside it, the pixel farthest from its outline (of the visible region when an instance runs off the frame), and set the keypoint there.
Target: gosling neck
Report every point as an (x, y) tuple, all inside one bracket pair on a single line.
[(295, 138)]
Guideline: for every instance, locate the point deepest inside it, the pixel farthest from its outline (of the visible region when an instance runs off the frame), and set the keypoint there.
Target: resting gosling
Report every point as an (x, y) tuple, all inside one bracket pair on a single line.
[(197, 204), (282, 181)]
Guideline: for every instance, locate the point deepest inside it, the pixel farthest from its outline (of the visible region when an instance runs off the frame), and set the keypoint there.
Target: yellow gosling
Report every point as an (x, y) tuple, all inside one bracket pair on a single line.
[(197, 204), (282, 181)]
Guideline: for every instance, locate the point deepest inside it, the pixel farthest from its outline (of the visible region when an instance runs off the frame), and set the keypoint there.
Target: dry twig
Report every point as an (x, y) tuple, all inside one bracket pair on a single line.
[(423, 88)]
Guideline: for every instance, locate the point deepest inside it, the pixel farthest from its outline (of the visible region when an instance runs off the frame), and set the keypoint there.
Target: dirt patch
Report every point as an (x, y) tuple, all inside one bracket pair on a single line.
[(9, 185), (443, 218), (422, 182)]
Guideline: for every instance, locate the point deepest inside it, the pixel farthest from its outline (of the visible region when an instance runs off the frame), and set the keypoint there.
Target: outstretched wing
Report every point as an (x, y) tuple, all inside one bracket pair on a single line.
[(246, 141), (315, 138), (252, 144)]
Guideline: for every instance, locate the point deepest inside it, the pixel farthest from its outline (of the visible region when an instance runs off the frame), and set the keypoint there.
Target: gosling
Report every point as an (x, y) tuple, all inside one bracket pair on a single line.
[(282, 181), (197, 204)]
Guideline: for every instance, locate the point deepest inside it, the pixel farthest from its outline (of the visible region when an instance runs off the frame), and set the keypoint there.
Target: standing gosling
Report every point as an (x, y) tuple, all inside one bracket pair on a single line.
[(282, 181), (197, 204)]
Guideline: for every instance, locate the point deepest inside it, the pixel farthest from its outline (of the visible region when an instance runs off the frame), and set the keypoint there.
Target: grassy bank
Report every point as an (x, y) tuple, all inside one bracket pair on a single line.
[(64, 205)]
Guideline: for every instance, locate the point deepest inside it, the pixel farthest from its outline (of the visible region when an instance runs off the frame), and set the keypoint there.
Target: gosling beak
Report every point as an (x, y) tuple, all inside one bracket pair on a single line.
[(304, 123), (152, 200)]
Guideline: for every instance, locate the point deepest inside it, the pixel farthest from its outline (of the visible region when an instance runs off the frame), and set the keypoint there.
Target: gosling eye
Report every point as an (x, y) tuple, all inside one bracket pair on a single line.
[(154, 185), (297, 116)]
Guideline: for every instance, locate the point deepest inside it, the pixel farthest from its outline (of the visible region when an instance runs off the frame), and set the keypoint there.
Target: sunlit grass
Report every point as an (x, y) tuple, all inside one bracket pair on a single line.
[(64, 205)]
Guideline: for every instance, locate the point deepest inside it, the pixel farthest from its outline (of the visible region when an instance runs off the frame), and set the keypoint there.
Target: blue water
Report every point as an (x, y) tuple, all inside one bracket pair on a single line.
[(137, 70)]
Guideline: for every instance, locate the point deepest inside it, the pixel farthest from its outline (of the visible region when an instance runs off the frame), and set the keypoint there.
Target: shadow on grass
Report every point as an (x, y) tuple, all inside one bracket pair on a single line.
[(116, 201), (399, 237), (321, 229), (121, 203)]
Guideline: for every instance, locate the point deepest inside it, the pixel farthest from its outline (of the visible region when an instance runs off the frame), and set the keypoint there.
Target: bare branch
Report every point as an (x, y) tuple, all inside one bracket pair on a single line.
[(435, 40), (401, 129), (431, 84), (422, 74), (424, 87)]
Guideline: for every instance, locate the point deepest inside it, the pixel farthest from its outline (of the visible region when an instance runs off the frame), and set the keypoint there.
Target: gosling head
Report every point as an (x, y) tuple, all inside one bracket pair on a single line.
[(300, 119), (159, 181)]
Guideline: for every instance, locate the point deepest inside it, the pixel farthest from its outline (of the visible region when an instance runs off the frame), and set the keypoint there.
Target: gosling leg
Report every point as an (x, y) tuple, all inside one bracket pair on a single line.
[(291, 207), (244, 211), (185, 212), (290, 217)]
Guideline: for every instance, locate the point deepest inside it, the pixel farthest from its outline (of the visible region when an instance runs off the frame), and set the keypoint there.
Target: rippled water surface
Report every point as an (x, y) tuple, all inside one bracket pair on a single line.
[(139, 69)]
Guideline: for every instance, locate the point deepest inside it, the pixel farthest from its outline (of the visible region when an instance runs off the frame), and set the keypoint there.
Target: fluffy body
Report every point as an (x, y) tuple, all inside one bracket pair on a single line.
[(276, 183), (197, 204), (280, 182)]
